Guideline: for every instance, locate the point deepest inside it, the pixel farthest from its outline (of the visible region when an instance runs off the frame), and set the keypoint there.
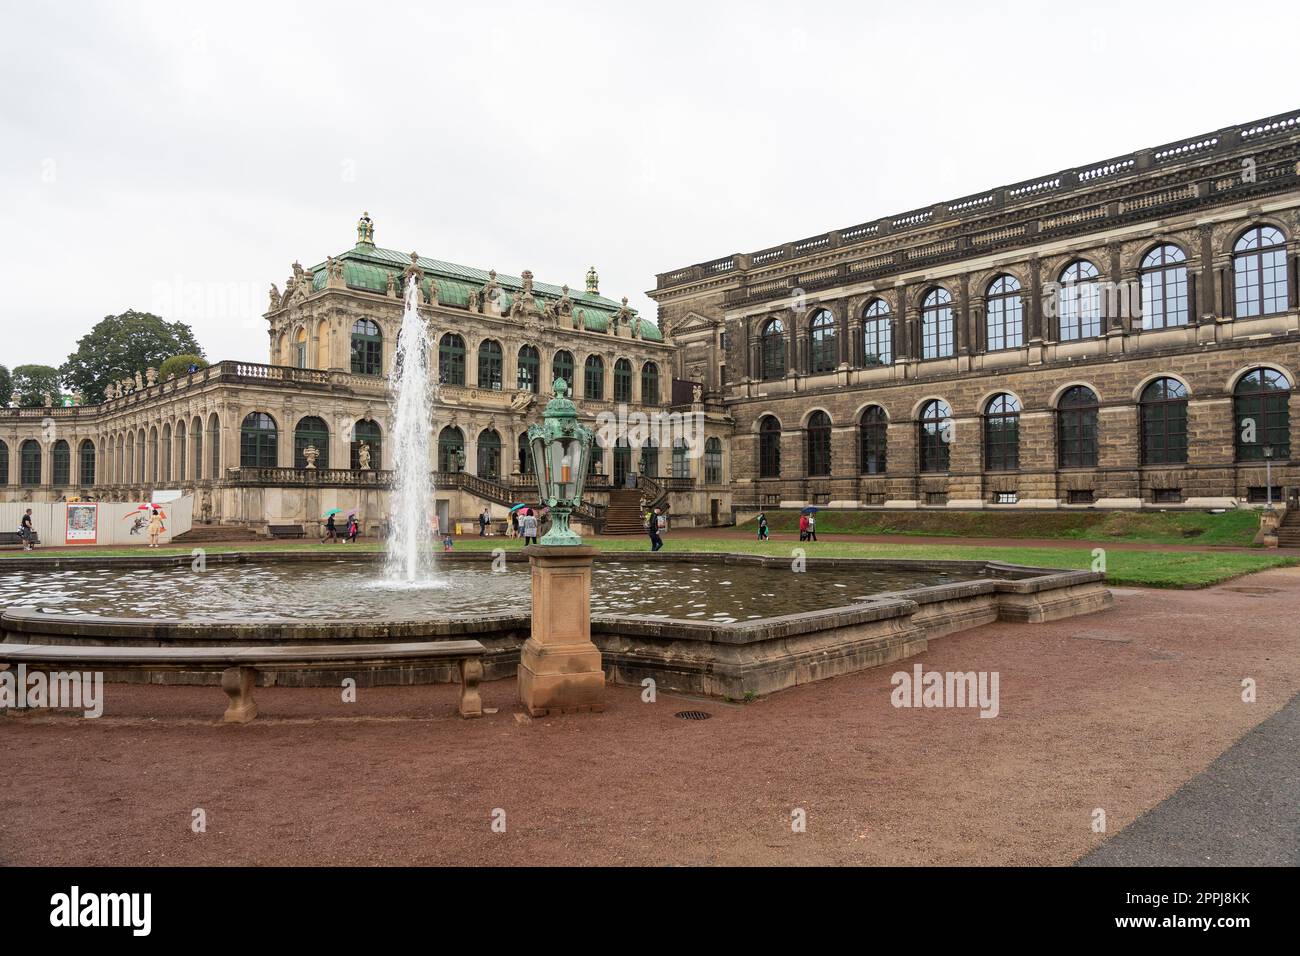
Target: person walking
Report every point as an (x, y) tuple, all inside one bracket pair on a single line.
[(514, 524), (803, 527), (652, 528), (483, 521), (762, 527), (27, 533), (156, 528), (354, 529), (812, 527), (529, 528), (331, 530)]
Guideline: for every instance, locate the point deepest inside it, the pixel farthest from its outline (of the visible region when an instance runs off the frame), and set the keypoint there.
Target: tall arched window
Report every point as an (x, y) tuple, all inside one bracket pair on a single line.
[(593, 377), (1076, 428), (152, 456), (489, 454), (1004, 314), (1164, 287), (650, 458), (489, 364), (1079, 301), (258, 441), (528, 377), (622, 381), (61, 464), (713, 461), (1002, 433), (196, 440), (772, 349), (935, 428), (562, 367), (1164, 422), (877, 336), (1259, 272), (819, 444), (451, 449), (163, 459), (311, 431), (368, 431), (525, 453), (139, 455), (649, 384), (214, 444), (86, 471), (451, 359), (4, 463), (1261, 406), (825, 353), (181, 449), (681, 462), (30, 468), (936, 324), (769, 447), (873, 431), (367, 348), (300, 349)]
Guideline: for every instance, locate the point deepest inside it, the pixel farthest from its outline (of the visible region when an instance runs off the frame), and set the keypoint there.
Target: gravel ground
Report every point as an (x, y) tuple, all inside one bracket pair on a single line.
[(1115, 710)]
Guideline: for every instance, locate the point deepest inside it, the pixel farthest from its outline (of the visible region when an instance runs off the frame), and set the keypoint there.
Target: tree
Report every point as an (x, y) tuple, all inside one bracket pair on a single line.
[(34, 382), (180, 364), (6, 386), (121, 345)]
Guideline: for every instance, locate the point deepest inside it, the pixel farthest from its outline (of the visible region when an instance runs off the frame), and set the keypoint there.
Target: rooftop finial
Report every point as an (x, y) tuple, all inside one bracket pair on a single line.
[(365, 230), (593, 282)]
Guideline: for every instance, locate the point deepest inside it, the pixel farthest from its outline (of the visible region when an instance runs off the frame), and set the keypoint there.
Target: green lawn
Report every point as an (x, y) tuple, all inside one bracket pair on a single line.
[(1232, 528), (1123, 567)]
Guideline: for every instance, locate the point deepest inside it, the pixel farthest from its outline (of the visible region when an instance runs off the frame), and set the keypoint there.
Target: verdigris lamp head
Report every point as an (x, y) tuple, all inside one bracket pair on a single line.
[(561, 448)]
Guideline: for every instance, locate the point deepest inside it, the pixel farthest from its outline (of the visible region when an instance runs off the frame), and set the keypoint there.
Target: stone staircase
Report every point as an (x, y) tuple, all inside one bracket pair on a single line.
[(1288, 533), (623, 515), (212, 533)]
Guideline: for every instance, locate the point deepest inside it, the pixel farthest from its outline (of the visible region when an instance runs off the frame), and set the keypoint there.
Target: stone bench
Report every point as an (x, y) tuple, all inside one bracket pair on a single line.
[(286, 531), (11, 539), (239, 665)]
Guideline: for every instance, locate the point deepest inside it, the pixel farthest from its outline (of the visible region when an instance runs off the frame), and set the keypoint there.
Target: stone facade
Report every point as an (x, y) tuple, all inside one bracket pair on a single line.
[(931, 281)]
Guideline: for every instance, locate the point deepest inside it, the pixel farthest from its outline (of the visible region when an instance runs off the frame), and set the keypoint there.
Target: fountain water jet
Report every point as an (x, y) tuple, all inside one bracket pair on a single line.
[(410, 520)]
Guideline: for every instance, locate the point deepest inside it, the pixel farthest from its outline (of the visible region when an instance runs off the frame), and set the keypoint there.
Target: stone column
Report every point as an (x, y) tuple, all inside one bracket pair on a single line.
[(559, 667)]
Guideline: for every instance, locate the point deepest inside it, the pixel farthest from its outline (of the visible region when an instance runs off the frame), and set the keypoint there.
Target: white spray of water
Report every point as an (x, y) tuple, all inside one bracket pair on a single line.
[(410, 516)]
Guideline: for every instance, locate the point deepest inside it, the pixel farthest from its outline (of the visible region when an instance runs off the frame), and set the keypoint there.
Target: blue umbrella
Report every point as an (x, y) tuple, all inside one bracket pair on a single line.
[(332, 511), (514, 508), (809, 511)]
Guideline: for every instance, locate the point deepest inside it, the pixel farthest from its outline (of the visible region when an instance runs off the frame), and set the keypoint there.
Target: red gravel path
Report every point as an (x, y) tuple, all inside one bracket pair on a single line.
[(395, 778)]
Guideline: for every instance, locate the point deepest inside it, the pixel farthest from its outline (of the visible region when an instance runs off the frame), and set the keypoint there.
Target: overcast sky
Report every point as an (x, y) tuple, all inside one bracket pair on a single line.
[(162, 156)]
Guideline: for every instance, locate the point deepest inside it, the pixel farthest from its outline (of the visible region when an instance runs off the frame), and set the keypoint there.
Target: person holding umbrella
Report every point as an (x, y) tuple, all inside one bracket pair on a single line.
[(331, 530), (762, 527), (354, 527), (808, 524), (803, 526), (156, 528)]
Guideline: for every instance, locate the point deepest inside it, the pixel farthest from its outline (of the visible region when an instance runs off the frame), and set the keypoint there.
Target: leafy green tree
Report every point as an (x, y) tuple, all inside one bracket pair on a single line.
[(33, 382), (6, 386), (121, 345), (179, 365)]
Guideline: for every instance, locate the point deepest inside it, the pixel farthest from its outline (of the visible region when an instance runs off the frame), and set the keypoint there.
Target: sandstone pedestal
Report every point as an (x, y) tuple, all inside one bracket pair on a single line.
[(559, 669)]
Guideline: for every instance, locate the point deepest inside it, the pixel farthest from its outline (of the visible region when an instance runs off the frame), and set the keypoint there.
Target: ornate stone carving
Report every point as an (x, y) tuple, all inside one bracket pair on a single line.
[(151, 376), (275, 299)]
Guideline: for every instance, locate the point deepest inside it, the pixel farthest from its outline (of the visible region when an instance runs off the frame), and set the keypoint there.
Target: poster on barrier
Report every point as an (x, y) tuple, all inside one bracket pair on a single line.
[(82, 523)]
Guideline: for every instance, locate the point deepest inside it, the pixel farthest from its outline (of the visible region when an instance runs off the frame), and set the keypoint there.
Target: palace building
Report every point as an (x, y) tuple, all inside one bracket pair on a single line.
[(1120, 334)]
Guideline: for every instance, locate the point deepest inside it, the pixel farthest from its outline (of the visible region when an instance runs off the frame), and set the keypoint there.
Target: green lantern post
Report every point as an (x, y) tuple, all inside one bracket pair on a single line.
[(559, 667)]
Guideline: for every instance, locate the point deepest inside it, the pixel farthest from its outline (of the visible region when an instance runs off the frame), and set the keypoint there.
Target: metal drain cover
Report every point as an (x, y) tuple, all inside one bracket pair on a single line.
[(692, 715)]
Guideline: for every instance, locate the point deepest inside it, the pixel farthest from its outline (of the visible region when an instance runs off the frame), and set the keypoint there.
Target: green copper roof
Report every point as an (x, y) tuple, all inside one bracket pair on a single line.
[(368, 267)]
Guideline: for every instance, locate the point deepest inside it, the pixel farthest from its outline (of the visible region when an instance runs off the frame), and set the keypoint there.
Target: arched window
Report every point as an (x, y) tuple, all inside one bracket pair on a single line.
[(1076, 428), (650, 458), (126, 471), (825, 345), (489, 364), (181, 448), (769, 447), (622, 461), (819, 443), (451, 359), (772, 349), (935, 428), (593, 377), (1004, 314), (525, 455), (622, 381), (311, 431), (258, 441), (873, 430), (1164, 422), (86, 473), (367, 348), (562, 367), (649, 384), (681, 464), (877, 336), (152, 456), (214, 443), (1261, 406), (1164, 287), (489, 454), (300, 349), (4, 463), (196, 439), (451, 449), (1002, 433), (61, 464), (1079, 301), (30, 469), (1259, 272), (936, 325), (139, 456), (528, 378), (368, 431), (713, 461), (163, 455)]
